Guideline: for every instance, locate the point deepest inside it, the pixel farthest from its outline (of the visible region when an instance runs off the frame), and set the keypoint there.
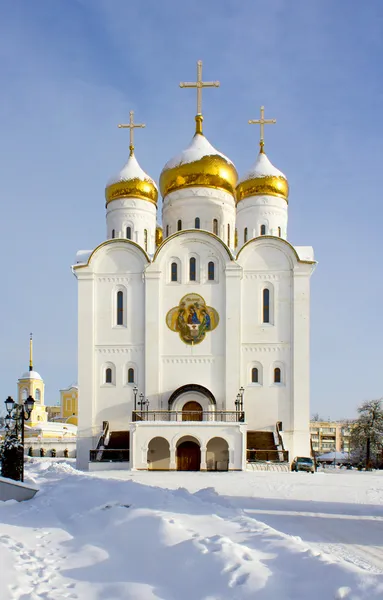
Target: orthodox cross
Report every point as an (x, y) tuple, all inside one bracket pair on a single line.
[(199, 84), (132, 126), (262, 122)]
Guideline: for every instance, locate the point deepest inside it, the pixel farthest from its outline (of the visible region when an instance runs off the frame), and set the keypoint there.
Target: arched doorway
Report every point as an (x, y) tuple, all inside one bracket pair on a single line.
[(188, 455), (192, 411), (217, 455), (158, 454)]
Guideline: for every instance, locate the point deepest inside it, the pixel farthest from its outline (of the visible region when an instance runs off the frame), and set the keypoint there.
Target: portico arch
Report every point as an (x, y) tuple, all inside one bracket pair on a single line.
[(158, 454), (188, 453), (192, 392), (217, 454)]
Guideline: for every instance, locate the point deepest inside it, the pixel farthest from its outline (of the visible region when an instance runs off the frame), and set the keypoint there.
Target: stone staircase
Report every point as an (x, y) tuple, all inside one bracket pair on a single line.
[(263, 453)]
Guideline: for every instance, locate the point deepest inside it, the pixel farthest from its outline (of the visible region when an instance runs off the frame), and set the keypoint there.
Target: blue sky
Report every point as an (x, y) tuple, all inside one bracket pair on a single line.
[(72, 69)]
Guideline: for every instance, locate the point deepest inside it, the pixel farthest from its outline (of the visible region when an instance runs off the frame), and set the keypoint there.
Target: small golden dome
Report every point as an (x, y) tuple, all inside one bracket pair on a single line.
[(131, 182), (159, 235), (199, 165), (263, 179)]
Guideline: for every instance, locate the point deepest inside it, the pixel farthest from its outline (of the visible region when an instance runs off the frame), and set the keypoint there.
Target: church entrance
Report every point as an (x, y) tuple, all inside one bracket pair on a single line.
[(188, 456), (192, 411)]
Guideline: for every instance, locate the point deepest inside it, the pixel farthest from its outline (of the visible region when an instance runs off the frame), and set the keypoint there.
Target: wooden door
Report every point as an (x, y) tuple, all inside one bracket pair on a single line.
[(188, 457), (192, 411)]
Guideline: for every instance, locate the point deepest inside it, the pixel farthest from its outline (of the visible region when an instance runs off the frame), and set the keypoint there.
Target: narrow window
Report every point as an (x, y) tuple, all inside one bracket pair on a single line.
[(146, 239), (254, 375), (113, 233), (197, 223), (37, 396), (24, 394), (245, 235), (179, 225), (266, 305), (263, 229), (192, 269), (167, 230), (130, 375), (120, 308), (129, 233), (228, 235), (215, 226), (277, 375), (108, 375), (279, 232), (210, 271), (173, 272)]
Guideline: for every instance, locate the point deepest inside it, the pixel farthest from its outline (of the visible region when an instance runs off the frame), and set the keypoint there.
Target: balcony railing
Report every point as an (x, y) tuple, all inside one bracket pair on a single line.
[(220, 416), (267, 455), (112, 455)]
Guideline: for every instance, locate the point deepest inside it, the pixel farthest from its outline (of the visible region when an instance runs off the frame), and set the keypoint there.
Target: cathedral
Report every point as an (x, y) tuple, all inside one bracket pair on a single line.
[(193, 336)]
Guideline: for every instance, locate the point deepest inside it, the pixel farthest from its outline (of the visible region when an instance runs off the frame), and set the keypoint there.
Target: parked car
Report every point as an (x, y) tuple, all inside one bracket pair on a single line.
[(303, 463)]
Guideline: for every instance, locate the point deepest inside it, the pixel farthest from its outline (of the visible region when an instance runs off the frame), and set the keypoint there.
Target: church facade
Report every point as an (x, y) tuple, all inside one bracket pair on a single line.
[(193, 338)]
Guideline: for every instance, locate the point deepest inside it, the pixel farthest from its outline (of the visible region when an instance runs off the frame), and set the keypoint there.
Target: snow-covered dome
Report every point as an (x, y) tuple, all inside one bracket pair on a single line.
[(199, 165), (131, 182), (263, 179), (31, 375)]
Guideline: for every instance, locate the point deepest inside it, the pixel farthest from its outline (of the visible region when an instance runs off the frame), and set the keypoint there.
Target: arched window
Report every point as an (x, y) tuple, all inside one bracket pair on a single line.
[(192, 269), (179, 225), (129, 233), (197, 223), (167, 230), (37, 395), (120, 308), (254, 375), (210, 271), (113, 233), (279, 232), (24, 394), (174, 272), (146, 240), (108, 375), (263, 229), (215, 226), (266, 306), (228, 234), (277, 375), (131, 375), (245, 235)]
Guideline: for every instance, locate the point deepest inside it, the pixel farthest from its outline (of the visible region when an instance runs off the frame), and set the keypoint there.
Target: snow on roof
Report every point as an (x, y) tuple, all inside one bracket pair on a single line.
[(54, 427), (305, 252), (31, 375), (83, 255), (262, 168), (131, 170), (197, 149)]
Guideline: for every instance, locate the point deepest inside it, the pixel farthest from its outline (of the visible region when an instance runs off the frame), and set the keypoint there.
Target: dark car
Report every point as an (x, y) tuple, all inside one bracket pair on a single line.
[(303, 463)]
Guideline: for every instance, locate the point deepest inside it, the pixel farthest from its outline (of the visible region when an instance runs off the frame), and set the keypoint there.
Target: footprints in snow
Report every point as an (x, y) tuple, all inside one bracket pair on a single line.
[(37, 571)]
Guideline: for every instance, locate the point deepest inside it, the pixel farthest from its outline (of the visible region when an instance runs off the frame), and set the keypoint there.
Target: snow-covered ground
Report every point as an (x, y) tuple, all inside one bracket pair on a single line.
[(193, 536)]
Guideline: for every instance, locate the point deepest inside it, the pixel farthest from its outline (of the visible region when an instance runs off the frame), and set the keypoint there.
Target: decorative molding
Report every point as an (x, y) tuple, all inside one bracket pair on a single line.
[(262, 276), (199, 192), (118, 349), (110, 279), (188, 360), (265, 348)]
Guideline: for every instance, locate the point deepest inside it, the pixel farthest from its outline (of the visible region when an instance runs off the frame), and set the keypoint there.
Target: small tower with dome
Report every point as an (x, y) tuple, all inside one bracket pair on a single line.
[(131, 201), (32, 384), (262, 195)]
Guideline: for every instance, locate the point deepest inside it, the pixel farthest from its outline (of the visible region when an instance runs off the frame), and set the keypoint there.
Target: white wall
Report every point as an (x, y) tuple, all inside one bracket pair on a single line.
[(255, 211), (138, 214)]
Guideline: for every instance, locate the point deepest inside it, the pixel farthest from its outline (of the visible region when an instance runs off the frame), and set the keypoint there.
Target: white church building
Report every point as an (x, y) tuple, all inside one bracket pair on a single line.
[(193, 338)]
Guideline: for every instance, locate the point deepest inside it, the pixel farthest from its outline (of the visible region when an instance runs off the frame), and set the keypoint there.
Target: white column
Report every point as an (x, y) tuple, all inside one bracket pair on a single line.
[(203, 465), (233, 333), (173, 465), (152, 336)]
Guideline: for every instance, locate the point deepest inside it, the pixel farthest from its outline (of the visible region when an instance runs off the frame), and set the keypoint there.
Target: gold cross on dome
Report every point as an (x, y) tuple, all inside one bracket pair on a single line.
[(199, 84), (262, 122), (132, 126)]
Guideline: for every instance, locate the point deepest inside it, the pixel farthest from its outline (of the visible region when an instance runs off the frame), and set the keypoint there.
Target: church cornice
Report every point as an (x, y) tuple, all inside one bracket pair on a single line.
[(195, 232), (108, 243), (276, 240)]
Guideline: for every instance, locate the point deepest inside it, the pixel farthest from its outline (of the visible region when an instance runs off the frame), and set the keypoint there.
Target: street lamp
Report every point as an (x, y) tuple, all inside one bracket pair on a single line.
[(241, 391), (135, 390), (238, 402), (18, 413)]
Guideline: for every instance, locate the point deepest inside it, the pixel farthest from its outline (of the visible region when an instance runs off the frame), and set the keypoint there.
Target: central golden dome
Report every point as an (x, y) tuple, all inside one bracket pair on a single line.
[(199, 165)]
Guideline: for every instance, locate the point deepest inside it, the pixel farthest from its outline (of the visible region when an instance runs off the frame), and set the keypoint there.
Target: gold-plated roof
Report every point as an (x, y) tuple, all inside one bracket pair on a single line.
[(199, 165), (131, 182), (263, 179)]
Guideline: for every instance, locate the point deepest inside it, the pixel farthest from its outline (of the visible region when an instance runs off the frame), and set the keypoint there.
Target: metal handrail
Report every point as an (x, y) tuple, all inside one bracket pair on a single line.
[(221, 416), (254, 455), (109, 455)]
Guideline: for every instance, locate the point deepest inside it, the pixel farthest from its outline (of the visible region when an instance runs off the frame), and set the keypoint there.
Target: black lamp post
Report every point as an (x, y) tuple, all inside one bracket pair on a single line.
[(135, 390), (238, 403), (13, 454), (241, 392)]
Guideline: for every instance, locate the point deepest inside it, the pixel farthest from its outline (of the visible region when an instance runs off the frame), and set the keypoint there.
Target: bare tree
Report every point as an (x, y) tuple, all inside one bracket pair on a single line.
[(367, 431)]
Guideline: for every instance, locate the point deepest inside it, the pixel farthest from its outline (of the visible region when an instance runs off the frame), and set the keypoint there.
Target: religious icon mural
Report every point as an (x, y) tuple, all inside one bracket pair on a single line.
[(192, 319)]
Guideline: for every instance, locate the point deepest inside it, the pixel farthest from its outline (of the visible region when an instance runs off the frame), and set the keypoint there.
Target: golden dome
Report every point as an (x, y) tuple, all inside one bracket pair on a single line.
[(199, 165), (159, 235), (263, 179), (131, 182)]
